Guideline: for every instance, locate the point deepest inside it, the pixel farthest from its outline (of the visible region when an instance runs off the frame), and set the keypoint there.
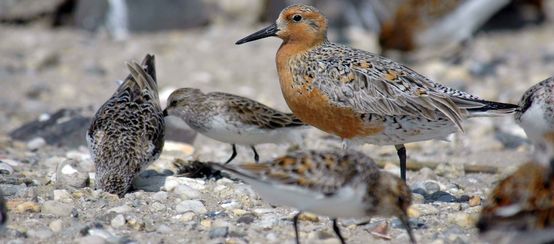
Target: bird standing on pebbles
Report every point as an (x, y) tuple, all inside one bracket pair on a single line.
[(127, 132), (360, 96), (233, 119), (521, 207), (536, 116), (337, 185)]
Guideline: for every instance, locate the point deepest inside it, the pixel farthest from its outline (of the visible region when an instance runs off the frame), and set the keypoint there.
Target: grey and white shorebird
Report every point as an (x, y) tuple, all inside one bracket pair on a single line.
[(360, 96), (520, 209), (127, 132), (333, 184), (233, 119), (536, 116)]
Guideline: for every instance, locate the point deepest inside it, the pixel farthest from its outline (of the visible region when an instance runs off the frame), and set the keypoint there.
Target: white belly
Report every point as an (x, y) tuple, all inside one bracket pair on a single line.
[(346, 203), (251, 135)]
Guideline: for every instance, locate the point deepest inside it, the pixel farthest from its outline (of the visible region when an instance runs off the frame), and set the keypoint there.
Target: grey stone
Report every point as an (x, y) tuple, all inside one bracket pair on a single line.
[(70, 174), (65, 127), (36, 143), (40, 233), (218, 232), (191, 205), (5, 169), (56, 208), (118, 221)]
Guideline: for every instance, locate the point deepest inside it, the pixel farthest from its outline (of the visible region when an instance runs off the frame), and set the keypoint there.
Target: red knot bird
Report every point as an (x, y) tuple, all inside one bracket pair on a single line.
[(360, 96), (233, 119), (536, 116), (127, 132), (337, 185)]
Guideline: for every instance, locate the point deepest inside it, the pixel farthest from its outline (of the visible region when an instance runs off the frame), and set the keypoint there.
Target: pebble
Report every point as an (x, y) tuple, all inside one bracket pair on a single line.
[(191, 205), (188, 216), (308, 217), (62, 196), (32, 207), (164, 229), (69, 175), (159, 196), (425, 209), (464, 220), (427, 173), (57, 208), (267, 221), (171, 182), (218, 232), (56, 225), (441, 196), (40, 233), (449, 170), (118, 221), (230, 204), (5, 169), (474, 201), (156, 206), (186, 192), (36, 143), (246, 219), (91, 240), (121, 209)]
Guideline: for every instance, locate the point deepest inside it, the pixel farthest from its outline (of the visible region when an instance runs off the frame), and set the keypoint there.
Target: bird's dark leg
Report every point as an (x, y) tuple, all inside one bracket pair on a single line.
[(232, 155), (256, 156), (401, 151), (337, 231), (295, 224), (406, 224)]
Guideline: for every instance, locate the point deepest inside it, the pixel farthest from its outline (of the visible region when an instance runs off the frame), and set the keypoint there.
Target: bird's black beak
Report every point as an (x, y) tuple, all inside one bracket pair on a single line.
[(263, 33), (165, 113)]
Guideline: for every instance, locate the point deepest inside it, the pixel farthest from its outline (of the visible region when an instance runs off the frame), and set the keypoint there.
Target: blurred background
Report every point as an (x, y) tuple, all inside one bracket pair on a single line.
[(59, 59)]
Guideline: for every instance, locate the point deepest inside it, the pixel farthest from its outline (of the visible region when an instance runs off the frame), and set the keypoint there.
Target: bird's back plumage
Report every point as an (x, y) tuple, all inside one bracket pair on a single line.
[(371, 84), (127, 132)]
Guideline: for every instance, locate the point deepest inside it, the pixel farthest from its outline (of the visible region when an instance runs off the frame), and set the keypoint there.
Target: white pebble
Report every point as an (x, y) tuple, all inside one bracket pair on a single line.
[(191, 205), (118, 221), (36, 143)]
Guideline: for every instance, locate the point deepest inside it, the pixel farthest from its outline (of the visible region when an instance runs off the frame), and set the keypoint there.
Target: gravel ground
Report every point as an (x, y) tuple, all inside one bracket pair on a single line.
[(44, 70)]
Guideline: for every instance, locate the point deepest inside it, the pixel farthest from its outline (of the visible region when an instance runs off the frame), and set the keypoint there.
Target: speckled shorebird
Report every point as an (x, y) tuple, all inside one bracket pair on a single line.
[(360, 96), (520, 209), (3, 210), (127, 132), (233, 119), (536, 115), (337, 185)]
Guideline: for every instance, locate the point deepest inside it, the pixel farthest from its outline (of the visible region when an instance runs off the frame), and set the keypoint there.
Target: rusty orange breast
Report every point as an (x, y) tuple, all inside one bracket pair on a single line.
[(314, 108)]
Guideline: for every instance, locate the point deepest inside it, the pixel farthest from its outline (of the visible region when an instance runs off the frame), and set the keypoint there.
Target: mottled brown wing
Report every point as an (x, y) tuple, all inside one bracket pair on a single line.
[(258, 114), (372, 84), (319, 171)]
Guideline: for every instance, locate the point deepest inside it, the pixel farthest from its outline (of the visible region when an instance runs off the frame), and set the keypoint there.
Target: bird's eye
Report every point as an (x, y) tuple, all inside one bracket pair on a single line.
[(173, 103), (297, 18)]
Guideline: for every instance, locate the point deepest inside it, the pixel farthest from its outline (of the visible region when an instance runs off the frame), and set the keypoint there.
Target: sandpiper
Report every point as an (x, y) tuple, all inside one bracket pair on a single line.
[(536, 116), (233, 119), (127, 132), (360, 96), (337, 185), (521, 207)]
